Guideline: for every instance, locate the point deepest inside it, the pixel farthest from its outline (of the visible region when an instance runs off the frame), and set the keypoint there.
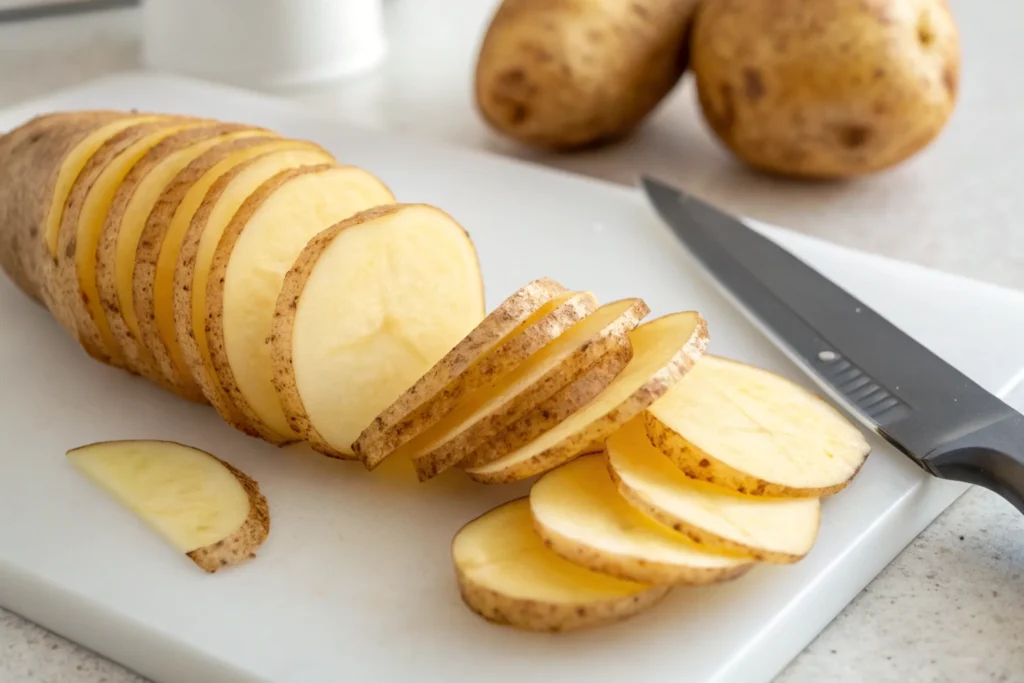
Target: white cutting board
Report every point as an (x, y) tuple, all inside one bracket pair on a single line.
[(354, 582)]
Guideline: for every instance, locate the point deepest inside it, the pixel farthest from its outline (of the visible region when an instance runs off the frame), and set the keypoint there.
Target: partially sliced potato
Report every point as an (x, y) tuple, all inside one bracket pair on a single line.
[(369, 306), (507, 576), (664, 350), (580, 515), (257, 248), (550, 413), (202, 506), (751, 430), (195, 258), (494, 408), (779, 530), (482, 356)]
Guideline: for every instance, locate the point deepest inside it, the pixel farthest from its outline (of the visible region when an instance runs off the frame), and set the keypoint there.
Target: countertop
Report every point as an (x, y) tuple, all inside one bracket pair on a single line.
[(951, 606)]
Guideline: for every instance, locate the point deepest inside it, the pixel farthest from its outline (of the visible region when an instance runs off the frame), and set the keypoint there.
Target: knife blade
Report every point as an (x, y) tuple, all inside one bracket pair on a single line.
[(931, 412)]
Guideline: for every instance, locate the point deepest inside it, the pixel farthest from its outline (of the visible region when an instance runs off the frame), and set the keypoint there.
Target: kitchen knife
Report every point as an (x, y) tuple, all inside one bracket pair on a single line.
[(930, 411)]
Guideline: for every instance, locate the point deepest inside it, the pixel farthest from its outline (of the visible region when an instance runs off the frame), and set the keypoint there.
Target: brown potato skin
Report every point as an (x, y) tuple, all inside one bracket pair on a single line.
[(825, 88), (565, 74)]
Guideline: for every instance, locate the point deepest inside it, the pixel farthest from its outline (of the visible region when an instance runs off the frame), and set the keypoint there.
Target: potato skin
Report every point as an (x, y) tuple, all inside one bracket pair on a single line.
[(825, 88), (563, 74)]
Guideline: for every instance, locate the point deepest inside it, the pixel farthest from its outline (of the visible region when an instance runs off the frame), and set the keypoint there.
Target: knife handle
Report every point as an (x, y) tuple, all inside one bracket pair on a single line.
[(992, 457)]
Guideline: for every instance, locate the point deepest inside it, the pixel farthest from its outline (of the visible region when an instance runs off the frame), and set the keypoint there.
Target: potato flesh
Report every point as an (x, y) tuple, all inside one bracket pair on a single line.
[(787, 526), (383, 303), (142, 201), (238, 190), (163, 283), (94, 214), (501, 551), (186, 495), (579, 502), (654, 346), (72, 166), (762, 425), (270, 242)]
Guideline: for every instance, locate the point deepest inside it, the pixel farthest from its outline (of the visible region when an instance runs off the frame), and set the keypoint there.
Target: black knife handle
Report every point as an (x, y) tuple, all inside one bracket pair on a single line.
[(992, 457)]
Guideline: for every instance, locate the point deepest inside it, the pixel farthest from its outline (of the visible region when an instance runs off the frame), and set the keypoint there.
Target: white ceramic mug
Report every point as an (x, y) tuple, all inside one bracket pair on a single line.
[(263, 43)]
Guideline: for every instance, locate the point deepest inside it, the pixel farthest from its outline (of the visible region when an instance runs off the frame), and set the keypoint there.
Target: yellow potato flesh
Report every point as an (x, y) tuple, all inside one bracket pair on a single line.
[(237, 191), (163, 283), (186, 495), (778, 525), (94, 214), (72, 166), (500, 551), (270, 242), (385, 301)]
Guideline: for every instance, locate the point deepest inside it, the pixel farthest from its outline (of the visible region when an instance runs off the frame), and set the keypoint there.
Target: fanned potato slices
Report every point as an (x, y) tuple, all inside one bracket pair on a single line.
[(499, 405), (507, 576), (751, 430), (511, 333), (195, 259), (580, 515), (367, 308), (779, 530), (254, 253), (663, 351)]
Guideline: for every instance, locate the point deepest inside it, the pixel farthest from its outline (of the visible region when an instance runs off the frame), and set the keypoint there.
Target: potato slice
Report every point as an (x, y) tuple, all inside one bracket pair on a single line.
[(579, 515), (82, 223), (493, 409), (751, 430), (553, 411), (663, 351), (368, 307), (257, 248), (202, 506), (195, 258), (779, 530), (118, 243), (160, 246), (507, 576), (482, 356)]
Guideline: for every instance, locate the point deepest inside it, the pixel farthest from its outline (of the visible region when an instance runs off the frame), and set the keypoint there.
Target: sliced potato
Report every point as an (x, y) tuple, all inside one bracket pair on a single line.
[(482, 356), (507, 576), (779, 530), (119, 238), (195, 258), (491, 410), (202, 506), (751, 430), (550, 413), (160, 246), (664, 350), (257, 248), (579, 515), (368, 307)]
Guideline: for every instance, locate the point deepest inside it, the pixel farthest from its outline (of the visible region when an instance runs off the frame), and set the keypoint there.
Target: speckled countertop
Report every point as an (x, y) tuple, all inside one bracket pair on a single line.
[(951, 606)]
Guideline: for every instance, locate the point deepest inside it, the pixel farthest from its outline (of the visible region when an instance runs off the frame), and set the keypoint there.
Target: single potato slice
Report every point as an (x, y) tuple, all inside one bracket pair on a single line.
[(133, 201), (202, 506), (491, 410), (664, 350), (195, 258), (753, 431), (256, 250), (580, 516), (779, 530), (550, 413), (507, 576), (368, 307), (481, 357)]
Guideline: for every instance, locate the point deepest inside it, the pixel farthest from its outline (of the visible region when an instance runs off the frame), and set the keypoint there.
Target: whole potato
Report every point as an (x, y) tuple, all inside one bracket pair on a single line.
[(825, 88), (559, 74)]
